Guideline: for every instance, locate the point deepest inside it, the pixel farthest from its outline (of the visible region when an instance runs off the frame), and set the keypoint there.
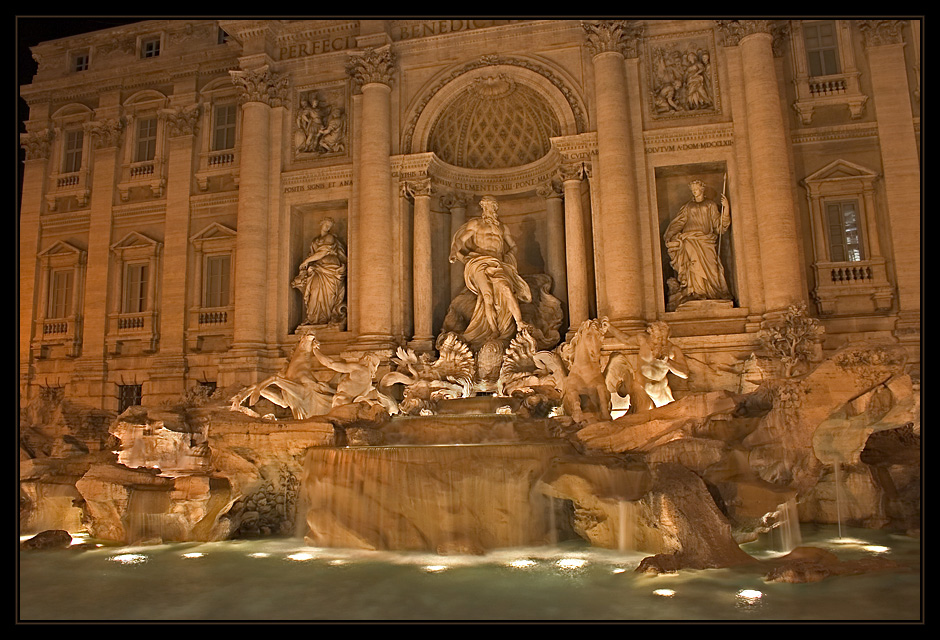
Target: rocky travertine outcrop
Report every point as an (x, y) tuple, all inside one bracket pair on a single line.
[(811, 564)]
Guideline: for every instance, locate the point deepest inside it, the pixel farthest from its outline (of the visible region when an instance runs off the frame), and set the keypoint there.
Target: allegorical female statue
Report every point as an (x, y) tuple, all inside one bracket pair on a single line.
[(322, 279), (692, 241)]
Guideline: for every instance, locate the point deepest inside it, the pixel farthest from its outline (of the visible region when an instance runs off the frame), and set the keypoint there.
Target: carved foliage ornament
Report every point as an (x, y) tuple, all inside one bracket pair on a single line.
[(261, 85), (182, 121), (105, 133), (881, 32), (620, 36), (371, 66), (37, 144)]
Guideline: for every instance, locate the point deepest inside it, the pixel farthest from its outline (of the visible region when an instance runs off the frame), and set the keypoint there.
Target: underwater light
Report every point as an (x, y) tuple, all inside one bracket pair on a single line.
[(129, 558), (750, 595), (434, 568), (337, 562), (300, 557), (521, 564), (260, 554), (666, 593), (571, 563), (618, 570), (193, 554), (876, 548)]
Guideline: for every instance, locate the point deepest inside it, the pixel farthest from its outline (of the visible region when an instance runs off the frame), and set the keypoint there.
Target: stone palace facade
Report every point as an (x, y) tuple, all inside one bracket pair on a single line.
[(198, 194)]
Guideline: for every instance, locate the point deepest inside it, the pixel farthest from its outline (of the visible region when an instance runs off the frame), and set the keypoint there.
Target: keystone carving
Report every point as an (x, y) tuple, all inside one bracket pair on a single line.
[(261, 85), (621, 36), (371, 66)]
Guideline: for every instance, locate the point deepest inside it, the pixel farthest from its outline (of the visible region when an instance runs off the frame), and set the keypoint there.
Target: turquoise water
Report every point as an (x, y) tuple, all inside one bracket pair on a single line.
[(284, 580)]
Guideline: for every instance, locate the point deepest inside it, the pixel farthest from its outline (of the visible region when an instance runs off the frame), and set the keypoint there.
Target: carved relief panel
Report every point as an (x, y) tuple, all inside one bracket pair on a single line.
[(682, 76), (320, 123)]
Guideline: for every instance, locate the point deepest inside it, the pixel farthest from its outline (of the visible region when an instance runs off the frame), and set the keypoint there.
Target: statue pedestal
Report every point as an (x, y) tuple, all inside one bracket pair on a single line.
[(705, 307)]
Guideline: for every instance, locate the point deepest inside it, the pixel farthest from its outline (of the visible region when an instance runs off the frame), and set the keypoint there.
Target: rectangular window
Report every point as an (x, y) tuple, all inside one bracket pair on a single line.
[(60, 294), (223, 128), (845, 237), (822, 48), (135, 288), (129, 395), (80, 62), (150, 48), (223, 37), (217, 281), (146, 139), (72, 153)]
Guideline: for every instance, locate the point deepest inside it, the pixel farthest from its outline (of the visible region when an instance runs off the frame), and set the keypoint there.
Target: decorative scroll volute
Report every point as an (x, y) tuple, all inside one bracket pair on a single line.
[(261, 85)]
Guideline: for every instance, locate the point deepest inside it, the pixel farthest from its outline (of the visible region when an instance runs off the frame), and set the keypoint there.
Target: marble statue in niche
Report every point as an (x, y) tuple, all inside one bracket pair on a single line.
[(488, 253), (321, 279), (681, 81), (693, 242), (321, 126)]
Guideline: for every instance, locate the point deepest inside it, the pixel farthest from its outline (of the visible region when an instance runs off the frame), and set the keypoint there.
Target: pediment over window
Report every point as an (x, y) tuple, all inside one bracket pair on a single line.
[(839, 169), (62, 248), (146, 97), (214, 231), (134, 240)]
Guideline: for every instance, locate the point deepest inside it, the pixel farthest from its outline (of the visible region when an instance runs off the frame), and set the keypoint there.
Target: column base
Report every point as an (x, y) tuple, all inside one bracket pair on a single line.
[(421, 344)]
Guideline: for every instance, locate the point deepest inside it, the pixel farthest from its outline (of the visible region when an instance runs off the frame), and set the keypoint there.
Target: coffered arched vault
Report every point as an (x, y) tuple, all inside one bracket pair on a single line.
[(480, 99)]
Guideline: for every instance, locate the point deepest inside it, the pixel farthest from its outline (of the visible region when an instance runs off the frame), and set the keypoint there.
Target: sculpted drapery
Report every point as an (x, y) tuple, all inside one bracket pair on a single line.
[(321, 279), (488, 252)]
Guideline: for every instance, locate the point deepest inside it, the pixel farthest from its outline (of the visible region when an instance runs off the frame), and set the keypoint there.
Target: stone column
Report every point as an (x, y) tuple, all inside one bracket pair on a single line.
[(457, 204), (555, 234), (422, 292), (884, 43), (621, 299), (576, 254), (770, 163), (38, 145), (260, 91), (167, 376), (372, 71), (89, 376)]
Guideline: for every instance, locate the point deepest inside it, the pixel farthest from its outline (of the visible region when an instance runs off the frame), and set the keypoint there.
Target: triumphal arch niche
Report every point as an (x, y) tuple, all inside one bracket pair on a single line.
[(499, 139)]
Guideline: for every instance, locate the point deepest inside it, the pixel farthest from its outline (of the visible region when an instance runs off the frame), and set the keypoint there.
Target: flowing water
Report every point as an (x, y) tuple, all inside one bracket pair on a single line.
[(285, 580)]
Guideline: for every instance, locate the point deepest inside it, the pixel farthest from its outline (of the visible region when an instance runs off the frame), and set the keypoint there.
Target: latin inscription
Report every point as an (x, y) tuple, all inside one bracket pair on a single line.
[(317, 185), (438, 27), (314, 47), (689, 146)]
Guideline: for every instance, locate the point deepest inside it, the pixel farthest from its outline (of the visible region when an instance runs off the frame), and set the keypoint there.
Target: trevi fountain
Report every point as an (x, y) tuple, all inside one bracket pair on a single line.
[(509, 473)]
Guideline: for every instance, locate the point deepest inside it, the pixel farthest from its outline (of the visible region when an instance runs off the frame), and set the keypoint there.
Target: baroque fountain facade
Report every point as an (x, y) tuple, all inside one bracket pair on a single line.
[(535, 339)]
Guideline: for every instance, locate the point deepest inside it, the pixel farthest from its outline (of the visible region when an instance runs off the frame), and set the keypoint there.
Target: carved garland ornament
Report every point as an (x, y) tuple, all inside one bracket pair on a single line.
[(261, 85), (493, 60)]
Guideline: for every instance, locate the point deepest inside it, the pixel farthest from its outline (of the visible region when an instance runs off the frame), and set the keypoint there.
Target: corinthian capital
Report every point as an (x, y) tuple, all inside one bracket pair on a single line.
[(261, 85), (415, 188), (37, 144), (182, 121), (733, 31), (105, 133), (371, 65), (455, 200), (621, 36), (876, 33)]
